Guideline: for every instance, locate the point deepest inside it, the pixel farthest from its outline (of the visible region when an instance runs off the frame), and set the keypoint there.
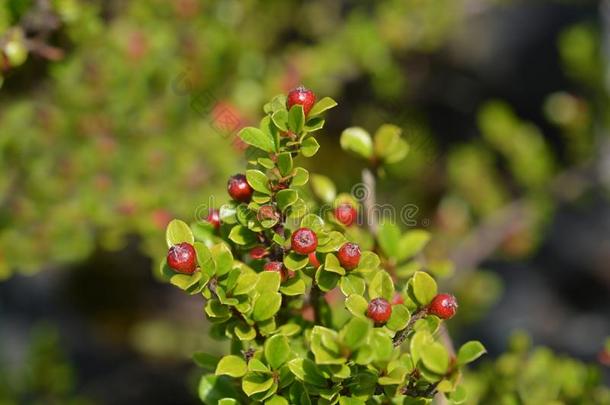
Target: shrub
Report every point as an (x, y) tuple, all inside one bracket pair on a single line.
[(273, 272)]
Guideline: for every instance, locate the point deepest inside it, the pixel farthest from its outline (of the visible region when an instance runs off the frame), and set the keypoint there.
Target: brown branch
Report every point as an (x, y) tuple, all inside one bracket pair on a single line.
[(369, 200)]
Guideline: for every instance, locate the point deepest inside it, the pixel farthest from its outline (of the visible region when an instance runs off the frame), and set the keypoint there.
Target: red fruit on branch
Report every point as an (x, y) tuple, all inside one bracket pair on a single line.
[(443, 305), (258, 252), (239, 189), (301, 96), (349, 255), (379, 310), (346, 214), (313, 260), (304, 241), (279, 268), (397, 299), (214, 218), (182, 258)]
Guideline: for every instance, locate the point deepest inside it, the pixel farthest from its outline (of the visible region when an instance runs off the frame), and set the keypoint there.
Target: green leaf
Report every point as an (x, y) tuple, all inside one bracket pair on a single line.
[(268, 281), (178, 231), (357, 141), (242, 235), (313, 222), (351, 401), (276, 400), (223, 258), (470, 351), (296, 118), (398, 153), (335, 241), (435, 358), (280, 119), (266, 163), (245, 283), (257, 138), (314, 124), (300, 177), (354, 333), (307, 371), (424, 287), (206, 361), (394, 377), (419, 341), (309, 146), (258, 366), (258, 181), (213, 388), (293, 286), (233, 366), (285, 198), (369, 261), (386, 139), (459, 395), (382, 345), (352, 284), (294, 261), (244, 332), (324, 346), (277, 351), (253, 383), (266, 306), (228, 401), (323, 188), (204, 259), (331, 263), (412, 242), (357, 305), (326, 280), (389, 239), (400, 317), (381, 286), (284, 163), (324, 104)]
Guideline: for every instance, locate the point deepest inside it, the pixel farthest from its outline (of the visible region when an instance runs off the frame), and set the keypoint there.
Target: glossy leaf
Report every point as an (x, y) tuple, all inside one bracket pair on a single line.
[(257, 138), (233, 366), (357, 141), (178, 231)]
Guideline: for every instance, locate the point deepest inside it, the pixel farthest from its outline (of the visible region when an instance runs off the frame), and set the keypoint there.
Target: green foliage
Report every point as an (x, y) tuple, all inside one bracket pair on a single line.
[(533, 375), (338, 355)]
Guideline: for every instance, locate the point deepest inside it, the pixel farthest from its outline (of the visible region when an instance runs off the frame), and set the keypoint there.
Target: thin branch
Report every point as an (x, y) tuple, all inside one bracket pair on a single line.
[(369, 200)]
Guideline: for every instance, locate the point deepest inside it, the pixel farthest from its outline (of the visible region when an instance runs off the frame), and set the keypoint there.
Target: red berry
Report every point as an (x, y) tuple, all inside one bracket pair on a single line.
[(258, 252), (182, 258), (277, 267), (397, 299), (346, 214), (239, 189), (302, 96), (313, 260), (379, 310), (349, 255), (443, 305), (214, 218), (304, 241)]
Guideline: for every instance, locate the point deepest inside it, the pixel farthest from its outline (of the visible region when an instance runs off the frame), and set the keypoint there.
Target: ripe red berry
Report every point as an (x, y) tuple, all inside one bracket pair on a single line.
[(302, 96), (346, 214), (379, 310), (214, 218), (443, 305), (313, 260), (304, 241), (397, 299), (258, 252), (349, 255), (277, 267), (239, 189), (182, 258)]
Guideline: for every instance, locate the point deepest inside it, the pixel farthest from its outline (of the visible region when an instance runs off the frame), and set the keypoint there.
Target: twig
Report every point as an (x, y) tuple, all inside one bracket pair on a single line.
[(401, 335), (369, 200)]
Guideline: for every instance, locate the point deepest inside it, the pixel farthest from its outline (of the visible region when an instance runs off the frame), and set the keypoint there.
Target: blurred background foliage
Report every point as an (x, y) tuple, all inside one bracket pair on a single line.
[(117, 116)]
